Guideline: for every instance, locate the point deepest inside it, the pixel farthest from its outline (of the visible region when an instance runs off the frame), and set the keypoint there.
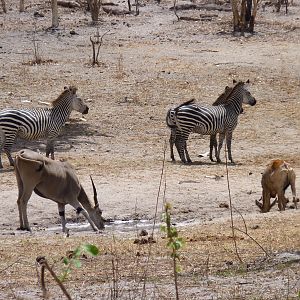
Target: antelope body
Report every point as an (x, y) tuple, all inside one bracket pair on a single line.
[(55, 180)]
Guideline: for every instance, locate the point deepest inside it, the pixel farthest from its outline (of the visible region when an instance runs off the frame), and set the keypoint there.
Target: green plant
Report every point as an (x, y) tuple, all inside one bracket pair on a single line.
[(74, 259), (174, 242)]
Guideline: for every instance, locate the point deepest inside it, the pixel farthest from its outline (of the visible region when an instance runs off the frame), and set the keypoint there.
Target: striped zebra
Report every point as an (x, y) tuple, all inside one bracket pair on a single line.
[(171, 123), (34, 123), (211, 120)]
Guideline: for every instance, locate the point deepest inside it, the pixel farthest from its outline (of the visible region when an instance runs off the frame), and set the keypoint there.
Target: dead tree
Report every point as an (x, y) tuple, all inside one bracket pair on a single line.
[(3, 6), (97, 42), (54, 9), (94, 7), (244, 14)]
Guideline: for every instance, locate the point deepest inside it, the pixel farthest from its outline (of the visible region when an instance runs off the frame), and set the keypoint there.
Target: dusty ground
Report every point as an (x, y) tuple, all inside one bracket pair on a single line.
[(149, 63)]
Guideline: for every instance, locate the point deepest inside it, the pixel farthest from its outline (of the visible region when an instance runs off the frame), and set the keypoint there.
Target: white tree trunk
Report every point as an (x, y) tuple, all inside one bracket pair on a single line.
[(54, 9)]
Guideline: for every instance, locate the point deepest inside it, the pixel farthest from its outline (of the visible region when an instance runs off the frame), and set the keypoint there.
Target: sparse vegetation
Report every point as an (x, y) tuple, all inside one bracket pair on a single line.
[(149, 64)]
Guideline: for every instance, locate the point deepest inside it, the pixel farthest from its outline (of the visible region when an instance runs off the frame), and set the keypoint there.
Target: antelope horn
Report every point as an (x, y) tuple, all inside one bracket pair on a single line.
[(95, 192)]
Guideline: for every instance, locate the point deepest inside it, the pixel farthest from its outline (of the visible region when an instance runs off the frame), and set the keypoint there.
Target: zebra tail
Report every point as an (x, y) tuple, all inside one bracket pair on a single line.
[(183, 104)]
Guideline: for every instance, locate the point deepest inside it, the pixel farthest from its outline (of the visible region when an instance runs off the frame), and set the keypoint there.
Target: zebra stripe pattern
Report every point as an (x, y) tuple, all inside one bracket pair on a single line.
[(211, 120), (34, 123), (171, 122)]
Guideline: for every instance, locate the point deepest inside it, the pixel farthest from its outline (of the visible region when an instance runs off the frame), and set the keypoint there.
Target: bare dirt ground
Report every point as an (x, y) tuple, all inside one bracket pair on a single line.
[(149, 63)]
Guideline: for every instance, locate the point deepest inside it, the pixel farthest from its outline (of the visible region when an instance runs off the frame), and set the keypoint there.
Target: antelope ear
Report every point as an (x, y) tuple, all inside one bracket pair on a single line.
[(95, 193)]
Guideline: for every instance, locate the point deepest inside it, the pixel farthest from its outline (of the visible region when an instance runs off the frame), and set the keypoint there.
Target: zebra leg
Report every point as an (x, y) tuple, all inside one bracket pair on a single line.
[(228, 141), (2, 141), (172, 141), (50, 148), (8, 154), (6, 143), (213, 144), (186, 153), (221, 140), (181, 145)]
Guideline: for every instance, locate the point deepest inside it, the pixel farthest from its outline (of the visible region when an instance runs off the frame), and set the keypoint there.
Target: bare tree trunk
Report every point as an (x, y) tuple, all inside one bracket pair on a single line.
[(95, 7), (21, 8), (243, 18), (236, 17), (54, 9), (3, 6), (253, 16)]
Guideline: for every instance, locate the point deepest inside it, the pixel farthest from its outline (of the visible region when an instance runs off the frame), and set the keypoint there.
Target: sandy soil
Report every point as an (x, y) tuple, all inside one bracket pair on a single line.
[(149, 63)]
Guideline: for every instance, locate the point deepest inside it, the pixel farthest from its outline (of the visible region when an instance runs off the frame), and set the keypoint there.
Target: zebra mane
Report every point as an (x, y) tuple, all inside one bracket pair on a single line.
[(223, 98), (61, 97)]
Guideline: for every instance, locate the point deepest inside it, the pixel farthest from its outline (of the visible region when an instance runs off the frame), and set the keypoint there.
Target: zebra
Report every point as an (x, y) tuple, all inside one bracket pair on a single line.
[(171, 123), (34, 123), (211, 120)]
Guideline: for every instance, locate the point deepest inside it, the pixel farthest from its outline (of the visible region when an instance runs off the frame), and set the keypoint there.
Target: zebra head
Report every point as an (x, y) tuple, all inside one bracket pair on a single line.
[(77, 102), (247, 97)]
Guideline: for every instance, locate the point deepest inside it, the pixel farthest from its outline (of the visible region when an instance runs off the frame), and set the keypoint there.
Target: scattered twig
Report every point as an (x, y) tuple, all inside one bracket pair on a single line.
[(254, 240), (1, 271)]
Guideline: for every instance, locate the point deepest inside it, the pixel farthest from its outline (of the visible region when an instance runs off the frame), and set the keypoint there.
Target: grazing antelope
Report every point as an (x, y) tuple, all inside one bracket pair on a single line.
[(54, 180)]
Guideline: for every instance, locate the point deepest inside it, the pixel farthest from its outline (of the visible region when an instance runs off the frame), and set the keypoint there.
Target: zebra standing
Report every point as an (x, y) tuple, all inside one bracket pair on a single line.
[(210, 120), (171, 123), (34, 123)]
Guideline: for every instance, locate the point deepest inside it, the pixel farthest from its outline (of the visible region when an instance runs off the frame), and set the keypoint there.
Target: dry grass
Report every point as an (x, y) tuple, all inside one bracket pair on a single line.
[(208, 256)]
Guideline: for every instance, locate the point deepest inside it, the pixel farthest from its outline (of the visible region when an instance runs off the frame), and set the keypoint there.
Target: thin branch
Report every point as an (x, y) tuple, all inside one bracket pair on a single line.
[(230, 204), (155, 216), (1, 271), (254, 240), (175, 10)]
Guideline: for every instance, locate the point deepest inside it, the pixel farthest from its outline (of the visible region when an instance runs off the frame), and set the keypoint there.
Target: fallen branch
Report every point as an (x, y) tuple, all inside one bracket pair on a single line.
[(189, 6), (68, 4), (116, 12)]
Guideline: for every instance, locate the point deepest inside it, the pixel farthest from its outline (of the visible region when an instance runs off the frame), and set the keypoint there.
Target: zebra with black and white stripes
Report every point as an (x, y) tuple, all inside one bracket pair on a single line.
[(210, 120), (171, 123), (34, 123)]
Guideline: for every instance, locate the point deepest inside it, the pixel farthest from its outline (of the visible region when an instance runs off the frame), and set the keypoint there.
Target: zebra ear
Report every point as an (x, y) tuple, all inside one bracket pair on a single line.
[(73, 89), (65, 88), (234, 81), (248, 81)]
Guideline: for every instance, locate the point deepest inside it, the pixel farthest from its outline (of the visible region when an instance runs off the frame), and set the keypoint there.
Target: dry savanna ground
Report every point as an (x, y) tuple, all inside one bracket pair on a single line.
[(147, 64)]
